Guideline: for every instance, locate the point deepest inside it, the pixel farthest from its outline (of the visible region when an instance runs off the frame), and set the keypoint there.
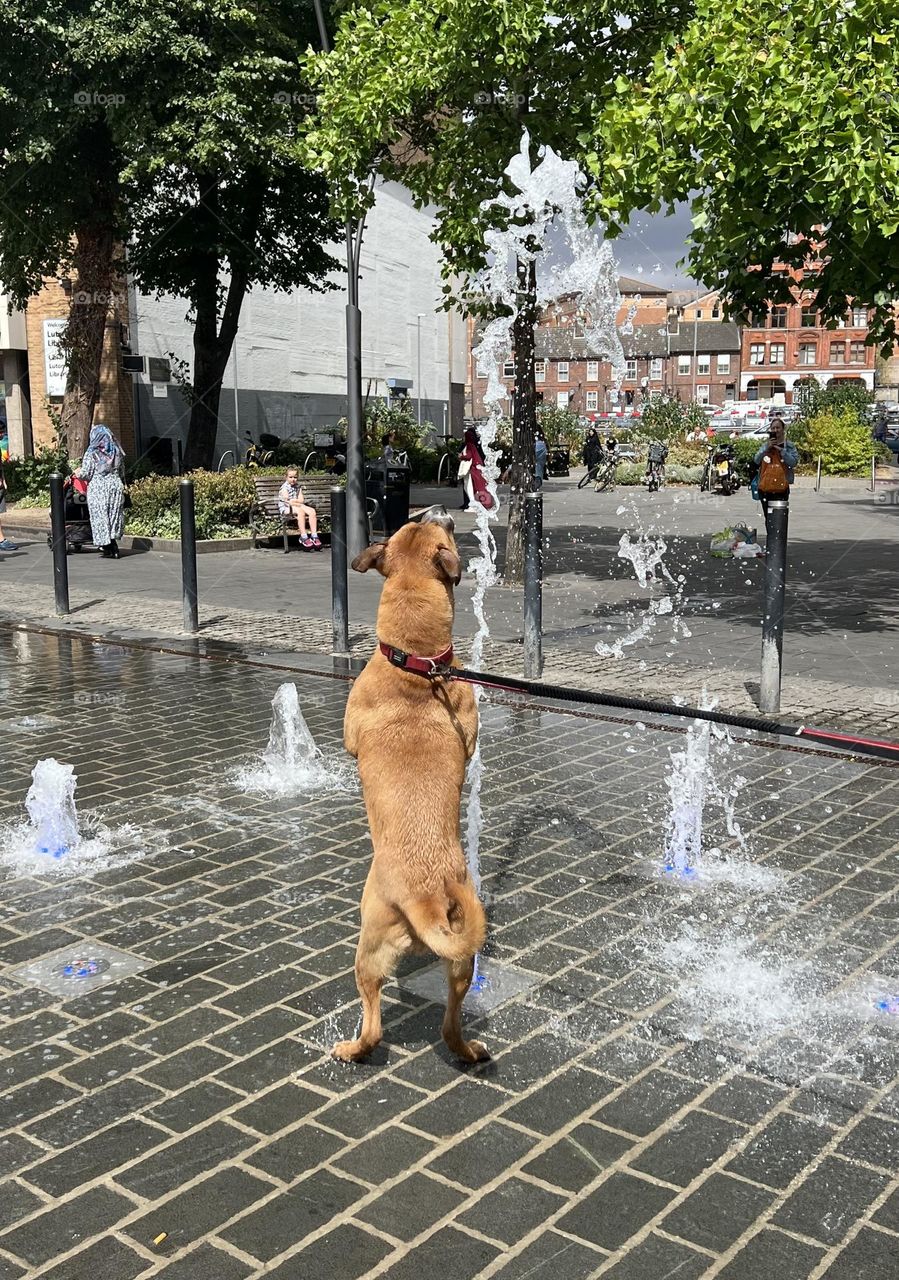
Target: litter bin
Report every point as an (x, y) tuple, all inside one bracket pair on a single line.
[(388, 484)]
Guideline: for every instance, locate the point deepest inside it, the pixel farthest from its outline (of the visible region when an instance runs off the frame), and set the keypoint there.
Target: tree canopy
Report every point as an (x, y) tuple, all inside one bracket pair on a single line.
[(780, 121)]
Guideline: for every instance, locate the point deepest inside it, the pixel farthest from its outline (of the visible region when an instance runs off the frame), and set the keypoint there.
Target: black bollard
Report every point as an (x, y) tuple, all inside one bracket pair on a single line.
[(189, 557), (58, 543), (533, 586), (775, 590), (340, 617)]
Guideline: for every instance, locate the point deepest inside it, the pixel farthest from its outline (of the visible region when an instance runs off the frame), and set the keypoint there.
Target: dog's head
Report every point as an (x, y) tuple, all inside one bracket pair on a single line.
[(424, 547)]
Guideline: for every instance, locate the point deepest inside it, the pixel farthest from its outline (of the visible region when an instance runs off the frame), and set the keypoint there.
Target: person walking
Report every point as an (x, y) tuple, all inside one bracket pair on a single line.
[(103, 467), (471, 472), (593, 451), (541, 453), (773, 466)]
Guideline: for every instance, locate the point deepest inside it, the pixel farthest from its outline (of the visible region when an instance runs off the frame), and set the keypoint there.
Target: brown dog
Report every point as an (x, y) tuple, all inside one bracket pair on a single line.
[(412, 736)]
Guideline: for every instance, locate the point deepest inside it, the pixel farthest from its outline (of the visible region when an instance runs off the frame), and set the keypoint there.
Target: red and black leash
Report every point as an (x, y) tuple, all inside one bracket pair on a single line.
[(439, 666)]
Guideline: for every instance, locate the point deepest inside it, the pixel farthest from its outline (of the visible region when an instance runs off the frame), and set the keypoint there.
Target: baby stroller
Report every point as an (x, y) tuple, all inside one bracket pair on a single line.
[(78, 525)]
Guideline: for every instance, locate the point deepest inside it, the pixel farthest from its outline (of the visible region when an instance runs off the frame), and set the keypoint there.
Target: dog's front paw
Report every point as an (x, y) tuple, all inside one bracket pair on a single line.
[(349, 1051), (473, 1051)]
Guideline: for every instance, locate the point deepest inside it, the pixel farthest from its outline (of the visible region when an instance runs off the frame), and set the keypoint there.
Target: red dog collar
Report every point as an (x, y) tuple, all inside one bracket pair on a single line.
[(409, 661)]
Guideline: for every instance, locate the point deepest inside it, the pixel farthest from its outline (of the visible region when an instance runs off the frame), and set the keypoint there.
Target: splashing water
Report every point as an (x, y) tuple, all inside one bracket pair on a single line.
[(55, 841), (291, 763), (687, 791), (50, 804), (541, 194), (647, 555)]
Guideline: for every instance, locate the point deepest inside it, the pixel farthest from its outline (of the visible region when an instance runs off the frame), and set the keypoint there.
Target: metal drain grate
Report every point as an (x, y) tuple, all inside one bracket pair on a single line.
[(496, 984), (76, 970)]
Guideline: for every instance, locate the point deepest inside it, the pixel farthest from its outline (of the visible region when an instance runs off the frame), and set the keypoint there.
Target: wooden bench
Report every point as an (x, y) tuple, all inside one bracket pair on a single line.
[(316, 491)]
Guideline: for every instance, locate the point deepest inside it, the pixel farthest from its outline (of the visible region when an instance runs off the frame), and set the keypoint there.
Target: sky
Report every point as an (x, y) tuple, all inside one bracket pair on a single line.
[(655, 244)]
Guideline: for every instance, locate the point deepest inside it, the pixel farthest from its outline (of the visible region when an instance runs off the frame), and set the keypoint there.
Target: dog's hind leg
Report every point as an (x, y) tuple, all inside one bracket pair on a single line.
[(376, 958), (459, 974)]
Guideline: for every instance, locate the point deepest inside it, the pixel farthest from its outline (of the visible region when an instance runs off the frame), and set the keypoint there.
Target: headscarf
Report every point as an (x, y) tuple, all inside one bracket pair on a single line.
[(105, 449)]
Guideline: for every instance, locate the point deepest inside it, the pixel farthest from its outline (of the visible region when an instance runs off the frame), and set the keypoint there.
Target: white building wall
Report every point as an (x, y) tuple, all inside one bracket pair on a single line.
[(290, 353)]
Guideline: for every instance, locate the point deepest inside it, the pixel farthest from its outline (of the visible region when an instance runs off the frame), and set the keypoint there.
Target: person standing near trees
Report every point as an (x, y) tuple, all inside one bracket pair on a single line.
[(774, 466), (103, 467)]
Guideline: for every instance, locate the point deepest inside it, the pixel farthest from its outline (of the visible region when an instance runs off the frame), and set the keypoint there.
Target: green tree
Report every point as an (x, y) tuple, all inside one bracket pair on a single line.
[(783, 118), (436, 94), (62, 213)]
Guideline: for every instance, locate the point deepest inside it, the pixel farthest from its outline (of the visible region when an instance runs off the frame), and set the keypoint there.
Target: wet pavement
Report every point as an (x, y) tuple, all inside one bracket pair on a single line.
[(696, 1080)]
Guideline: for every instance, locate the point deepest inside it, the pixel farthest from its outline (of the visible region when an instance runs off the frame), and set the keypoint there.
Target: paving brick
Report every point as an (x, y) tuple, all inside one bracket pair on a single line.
[(16, 1151), (192, 1106), (512, 1210), (347, 1252), (774, 1254), (410, 1206), (384, 1155), (455, 1109), (99, 1068), (192, 1214), (60, 1228), (658, 1257), (745, 1099), (28, 1063), (363, 1111), (205, 1263), (780, 1151), (615, 1211), (197, 1153), (189, 1064), (686, 1149), (825, 1206), (100, 1154), (105, 1031), (573, 1093), (108, 1259), (17, 1202), (298, 1151), (291, 1215), (578, 1158), (268, 1066), (888, 1213), (870, 1256), (89, 1112), (873, 1140), (644, 1106), (552, 1256), (449, 1253), (717, 1212), (29, 1031)]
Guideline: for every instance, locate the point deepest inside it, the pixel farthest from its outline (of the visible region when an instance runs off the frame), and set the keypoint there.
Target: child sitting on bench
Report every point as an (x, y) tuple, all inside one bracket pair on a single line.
[(292, 502)]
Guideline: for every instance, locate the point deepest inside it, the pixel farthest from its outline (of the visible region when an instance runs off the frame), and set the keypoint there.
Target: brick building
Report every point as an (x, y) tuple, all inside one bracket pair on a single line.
[(788, 345)]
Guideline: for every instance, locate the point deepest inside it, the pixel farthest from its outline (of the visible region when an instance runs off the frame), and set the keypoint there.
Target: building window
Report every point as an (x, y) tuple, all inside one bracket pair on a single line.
[(838, 353), (757, 353), (808, 353), (684, 364), (630, 374), (859, 318), (716, 312), (778, 353), (561, 399), (655, 370), (779, 318), (723, 365), (539, 370), (593, 372), (562, 372), (592, 401), (809, 318), (698, 313), (857, 353), (702, 394), (758, 319), (703, 366)]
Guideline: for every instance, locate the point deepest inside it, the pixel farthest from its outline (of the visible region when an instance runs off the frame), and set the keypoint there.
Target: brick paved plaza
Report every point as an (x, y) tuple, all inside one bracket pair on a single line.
[(696, 1081)]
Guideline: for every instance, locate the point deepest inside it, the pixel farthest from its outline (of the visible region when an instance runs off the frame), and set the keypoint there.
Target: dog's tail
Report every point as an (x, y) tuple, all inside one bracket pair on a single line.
[(452, 925)]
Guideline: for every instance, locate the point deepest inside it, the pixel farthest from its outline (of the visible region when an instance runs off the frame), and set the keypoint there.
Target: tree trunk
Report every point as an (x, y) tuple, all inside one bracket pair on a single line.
[(524, 418), (212, 350), (94, 259)]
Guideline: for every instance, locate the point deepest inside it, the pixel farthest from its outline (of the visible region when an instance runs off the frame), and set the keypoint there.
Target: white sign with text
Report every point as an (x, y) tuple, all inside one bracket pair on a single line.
[(56, 367)]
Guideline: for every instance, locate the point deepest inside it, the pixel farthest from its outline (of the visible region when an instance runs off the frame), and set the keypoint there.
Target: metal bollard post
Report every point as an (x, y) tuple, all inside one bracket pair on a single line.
[(189, 557), (533, 586), (58, 543), (773, 620), (818, 478), (340, 616)]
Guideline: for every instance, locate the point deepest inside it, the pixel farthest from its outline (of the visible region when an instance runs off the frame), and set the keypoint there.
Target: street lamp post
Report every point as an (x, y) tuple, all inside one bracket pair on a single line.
[(357, 518), (695, 337), (418, 320)]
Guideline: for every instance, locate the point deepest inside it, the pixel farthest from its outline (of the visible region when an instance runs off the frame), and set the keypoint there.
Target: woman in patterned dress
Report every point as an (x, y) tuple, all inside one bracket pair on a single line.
[(102, 467)]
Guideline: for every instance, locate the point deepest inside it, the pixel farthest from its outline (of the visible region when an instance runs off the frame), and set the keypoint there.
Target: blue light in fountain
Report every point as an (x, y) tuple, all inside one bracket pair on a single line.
[(887, 1004)]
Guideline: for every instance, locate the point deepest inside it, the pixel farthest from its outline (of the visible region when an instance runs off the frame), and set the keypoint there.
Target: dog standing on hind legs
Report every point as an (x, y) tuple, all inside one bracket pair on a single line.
[(412, 733)]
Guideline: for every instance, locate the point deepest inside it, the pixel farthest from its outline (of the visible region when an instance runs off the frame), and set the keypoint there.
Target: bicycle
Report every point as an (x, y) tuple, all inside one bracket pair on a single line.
[(601, 474)]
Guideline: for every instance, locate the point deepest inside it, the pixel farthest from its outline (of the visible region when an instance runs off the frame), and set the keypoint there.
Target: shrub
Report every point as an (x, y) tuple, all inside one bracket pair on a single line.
[(840, 440), (30, 477), (812, 399), (223, 501), (628, 473), (667, 419)]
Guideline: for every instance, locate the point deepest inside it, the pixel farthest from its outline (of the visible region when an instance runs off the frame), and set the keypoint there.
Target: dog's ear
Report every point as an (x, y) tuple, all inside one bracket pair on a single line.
[(371, 558), (449, 564)]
